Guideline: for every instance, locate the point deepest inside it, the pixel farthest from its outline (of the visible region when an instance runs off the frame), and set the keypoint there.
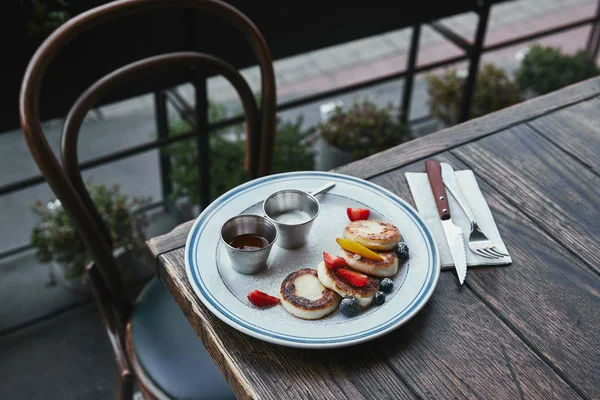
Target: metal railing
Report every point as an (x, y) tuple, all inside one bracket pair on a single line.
[(472, 53)]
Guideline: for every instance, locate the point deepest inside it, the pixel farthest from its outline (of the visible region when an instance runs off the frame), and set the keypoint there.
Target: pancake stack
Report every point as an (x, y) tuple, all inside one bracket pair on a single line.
[(304, 296), (368, 253)]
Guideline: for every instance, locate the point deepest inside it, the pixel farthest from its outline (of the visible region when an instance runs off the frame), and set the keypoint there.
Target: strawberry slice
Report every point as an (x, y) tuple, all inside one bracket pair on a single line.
[(261, 299), (356, 214), (355, 278), (334, 262)]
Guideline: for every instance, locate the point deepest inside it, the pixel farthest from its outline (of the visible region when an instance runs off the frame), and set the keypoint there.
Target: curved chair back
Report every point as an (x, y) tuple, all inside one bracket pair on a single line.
[(114, 80), (66, 180)]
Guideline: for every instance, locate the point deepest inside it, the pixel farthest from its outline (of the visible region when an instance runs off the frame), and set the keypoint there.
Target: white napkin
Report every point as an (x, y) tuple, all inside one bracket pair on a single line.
[(421, 191)]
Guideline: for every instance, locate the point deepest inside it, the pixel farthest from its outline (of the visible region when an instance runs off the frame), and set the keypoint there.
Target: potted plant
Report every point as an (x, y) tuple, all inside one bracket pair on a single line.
[(546, 69), (494, 90), (227, 153), (358, 132), (44, 16), (56, 241)]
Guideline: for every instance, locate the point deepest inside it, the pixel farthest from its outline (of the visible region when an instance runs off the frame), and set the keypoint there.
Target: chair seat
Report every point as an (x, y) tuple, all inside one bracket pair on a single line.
[(169, 350)]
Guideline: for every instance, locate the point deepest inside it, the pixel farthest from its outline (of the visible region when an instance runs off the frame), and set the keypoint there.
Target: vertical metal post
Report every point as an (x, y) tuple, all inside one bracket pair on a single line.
[(162, 127), (410, 74), (593, 42), (475, 56), (203, 144), (198, 79)]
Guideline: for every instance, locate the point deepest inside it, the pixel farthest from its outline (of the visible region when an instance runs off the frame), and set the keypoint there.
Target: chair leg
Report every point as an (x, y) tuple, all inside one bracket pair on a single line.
[(124, 387)]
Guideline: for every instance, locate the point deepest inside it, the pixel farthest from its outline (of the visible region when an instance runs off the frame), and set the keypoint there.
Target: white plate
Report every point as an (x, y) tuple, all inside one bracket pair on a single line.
[(223, 290)]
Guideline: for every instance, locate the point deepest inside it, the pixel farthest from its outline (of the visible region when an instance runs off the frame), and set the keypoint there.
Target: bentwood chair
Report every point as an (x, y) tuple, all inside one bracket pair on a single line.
[(154, 345)]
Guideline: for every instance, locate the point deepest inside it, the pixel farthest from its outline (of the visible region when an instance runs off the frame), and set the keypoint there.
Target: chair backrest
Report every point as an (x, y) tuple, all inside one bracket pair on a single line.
[(68, 186), (114, 80)]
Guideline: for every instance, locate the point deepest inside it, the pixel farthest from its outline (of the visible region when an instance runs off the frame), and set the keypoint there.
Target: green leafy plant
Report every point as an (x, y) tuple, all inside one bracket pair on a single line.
[(227, 154), (494, 90), (45, 15), (55, 239), (546, 69), (363, 129), (293, 146)]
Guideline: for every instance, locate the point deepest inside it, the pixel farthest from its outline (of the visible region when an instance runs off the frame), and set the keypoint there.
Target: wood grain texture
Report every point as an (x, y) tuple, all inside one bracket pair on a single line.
[(551, 299), (167, 242), (256, 369), (480, 355), (472, 341), (458, 135), (454, 348), (576, 130), (553, 189)]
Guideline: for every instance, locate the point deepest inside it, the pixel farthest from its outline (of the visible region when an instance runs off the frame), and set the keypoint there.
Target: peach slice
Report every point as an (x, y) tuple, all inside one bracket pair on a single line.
[(358, 248)]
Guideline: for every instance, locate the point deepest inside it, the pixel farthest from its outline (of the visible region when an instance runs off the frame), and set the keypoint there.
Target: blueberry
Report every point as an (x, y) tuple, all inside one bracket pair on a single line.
[(379, 298), (386, 285), (402, 251), (349, 307)]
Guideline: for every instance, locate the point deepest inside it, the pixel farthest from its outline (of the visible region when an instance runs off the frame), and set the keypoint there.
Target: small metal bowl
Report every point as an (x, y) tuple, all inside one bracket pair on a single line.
[(248, 261), (292, 234)]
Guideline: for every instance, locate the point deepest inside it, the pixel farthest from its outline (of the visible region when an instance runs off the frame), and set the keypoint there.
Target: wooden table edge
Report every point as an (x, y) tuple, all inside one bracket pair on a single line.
[(549, 103), (443, 140), (429, 145)]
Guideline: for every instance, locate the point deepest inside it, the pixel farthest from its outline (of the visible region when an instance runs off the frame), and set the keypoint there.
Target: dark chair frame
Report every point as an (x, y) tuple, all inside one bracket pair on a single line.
[(68, 148), (66, 180)]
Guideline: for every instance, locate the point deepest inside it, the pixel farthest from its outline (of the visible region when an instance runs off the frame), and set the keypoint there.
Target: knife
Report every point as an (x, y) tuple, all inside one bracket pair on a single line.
[(454, 234), (449, 179)]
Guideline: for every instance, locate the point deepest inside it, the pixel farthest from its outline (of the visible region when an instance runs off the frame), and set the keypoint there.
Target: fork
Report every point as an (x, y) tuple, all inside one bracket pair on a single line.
[(478, 241)]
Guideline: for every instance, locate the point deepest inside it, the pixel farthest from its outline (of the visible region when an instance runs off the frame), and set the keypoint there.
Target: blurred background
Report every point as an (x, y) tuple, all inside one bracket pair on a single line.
[(350, 82)]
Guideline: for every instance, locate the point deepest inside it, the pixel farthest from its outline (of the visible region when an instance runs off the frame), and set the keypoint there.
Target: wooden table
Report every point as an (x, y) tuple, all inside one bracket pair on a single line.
[(530, 330)]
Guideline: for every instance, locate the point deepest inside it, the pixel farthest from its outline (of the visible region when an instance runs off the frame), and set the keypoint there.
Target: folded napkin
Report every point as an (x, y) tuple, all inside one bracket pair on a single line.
[(421, 191)]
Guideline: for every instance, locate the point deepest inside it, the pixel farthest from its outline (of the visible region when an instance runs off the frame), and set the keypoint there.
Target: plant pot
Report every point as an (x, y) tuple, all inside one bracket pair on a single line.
[(132, 264), (449, 117), (74, 285), (329, 157), (182, 210)]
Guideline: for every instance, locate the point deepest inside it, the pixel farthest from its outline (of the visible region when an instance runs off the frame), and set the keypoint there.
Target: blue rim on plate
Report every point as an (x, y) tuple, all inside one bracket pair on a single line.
[(213, 303)]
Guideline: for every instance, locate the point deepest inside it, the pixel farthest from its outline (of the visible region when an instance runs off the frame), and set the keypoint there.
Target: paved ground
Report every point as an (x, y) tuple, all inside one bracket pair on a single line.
[(379, 55), (68, 355)]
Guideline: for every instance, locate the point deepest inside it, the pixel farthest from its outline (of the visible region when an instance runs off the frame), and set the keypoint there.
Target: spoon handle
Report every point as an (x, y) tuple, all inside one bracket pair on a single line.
[(322, 189)]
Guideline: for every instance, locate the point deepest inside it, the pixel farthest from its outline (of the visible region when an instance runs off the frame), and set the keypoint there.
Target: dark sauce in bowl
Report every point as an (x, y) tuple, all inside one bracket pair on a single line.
[(249, 242)]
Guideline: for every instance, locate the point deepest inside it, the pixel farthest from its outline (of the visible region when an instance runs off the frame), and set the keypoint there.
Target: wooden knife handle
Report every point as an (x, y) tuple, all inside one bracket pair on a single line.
[(434, 173)]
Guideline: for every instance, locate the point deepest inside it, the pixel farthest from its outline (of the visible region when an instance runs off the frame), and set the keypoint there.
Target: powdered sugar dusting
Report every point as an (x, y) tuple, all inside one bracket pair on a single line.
[(224, 291), (327, 226)]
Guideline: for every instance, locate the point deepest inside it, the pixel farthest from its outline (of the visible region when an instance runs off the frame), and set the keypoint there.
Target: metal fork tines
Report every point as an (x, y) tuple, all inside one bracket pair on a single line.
[(480, 244), (478, 241)]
